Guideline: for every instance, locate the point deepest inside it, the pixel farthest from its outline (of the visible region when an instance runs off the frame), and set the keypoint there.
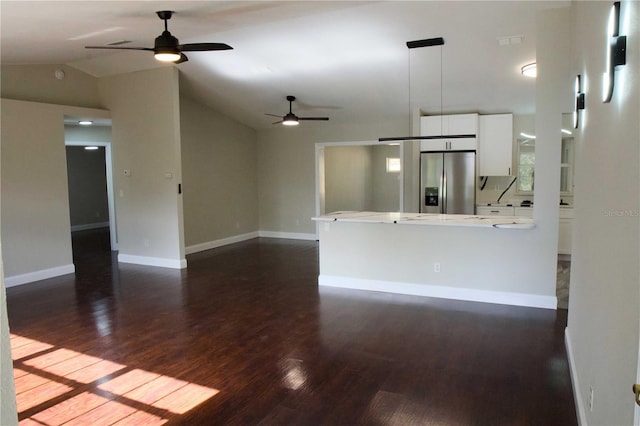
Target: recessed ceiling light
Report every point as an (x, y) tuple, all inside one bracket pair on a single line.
[(529, 70), (85, 122), (90, 148), (510, 40)]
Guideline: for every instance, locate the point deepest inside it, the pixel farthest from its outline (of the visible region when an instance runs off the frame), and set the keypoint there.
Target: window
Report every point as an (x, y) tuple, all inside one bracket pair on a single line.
[(393, 165), (566, 166), (526, 164)]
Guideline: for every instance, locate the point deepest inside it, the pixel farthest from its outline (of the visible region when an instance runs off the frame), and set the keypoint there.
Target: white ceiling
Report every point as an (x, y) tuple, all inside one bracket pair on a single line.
[(347, 59)]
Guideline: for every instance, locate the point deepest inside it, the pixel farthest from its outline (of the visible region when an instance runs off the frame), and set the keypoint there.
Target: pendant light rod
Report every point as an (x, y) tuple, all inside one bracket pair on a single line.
[(428, 42), (438, 41)]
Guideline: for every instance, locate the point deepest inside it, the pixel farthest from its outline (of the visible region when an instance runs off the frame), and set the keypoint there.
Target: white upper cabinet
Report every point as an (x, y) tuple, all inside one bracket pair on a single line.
[(431, 125), (449, 125), (495, 145), (462, 124)]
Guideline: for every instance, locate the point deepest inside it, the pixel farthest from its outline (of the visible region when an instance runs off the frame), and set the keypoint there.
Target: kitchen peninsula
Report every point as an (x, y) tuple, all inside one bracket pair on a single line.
[(465, 257)]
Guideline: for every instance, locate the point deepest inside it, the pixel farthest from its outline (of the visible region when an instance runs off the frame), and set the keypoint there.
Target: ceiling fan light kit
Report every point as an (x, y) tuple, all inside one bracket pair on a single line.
[(290, 119), (167, 56), (167, 48)]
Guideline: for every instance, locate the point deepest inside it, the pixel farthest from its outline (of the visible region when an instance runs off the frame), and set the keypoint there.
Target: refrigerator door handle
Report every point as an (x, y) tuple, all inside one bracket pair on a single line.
[(443, 187)]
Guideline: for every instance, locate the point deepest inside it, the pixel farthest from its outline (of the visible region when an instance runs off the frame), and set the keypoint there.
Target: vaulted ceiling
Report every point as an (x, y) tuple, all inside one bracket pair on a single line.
[(347, 60)]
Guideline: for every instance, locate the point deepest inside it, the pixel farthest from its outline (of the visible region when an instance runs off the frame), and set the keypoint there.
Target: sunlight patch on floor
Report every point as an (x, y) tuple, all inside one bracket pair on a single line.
[(123, 396)]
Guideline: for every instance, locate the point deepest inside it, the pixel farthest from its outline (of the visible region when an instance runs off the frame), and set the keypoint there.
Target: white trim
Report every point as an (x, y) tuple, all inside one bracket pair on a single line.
[(289, 235), (153, 261), (221, 242), (42, 274), (456, 293), (580, 411), (87, 226)]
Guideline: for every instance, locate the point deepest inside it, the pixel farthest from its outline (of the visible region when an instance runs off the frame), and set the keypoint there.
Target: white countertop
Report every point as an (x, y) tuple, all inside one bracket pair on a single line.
[(562, 206), (429, 219)]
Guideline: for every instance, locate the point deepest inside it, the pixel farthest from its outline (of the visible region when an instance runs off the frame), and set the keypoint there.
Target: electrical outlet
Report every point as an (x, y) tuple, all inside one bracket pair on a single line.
[(590, 402), (436, 267)]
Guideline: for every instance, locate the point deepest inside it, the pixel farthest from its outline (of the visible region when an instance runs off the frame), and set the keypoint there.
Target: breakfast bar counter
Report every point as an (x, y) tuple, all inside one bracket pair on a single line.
[(429, 219), (465, 257)]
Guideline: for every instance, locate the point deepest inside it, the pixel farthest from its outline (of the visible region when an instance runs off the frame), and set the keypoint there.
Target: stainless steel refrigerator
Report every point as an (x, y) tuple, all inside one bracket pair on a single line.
[(448, 182)]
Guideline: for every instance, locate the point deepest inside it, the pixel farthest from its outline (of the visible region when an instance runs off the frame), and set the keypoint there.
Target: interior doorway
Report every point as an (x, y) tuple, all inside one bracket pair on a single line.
[(101, 215)]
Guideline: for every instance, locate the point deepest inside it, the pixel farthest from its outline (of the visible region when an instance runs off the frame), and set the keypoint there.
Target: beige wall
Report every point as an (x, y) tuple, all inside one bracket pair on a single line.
[(146, 141), (286, 168), (220, 184), (87, 134), (356, 178), (603, 304), (35, 202), (86, 173), (385, 185), (348, 178), (8, 410), (37, 83)]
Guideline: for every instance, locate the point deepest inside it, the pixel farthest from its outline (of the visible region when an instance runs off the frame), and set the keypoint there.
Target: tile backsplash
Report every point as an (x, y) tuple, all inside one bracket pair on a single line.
[(495, 185)]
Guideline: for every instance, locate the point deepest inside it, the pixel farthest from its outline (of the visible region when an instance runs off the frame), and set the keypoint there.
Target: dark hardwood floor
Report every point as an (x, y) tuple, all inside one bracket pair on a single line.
[(246, 327)]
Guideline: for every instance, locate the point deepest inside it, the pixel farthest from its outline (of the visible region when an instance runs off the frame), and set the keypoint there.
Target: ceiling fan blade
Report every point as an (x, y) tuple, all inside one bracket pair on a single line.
[(183, 58), (314, 118), (119, 48), (273, 115), (278, 122), (202, 47)]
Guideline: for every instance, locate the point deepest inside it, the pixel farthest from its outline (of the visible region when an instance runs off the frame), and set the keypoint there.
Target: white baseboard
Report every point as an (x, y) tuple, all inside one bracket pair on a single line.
[(289, 235), (153, 261), (42, 274), (456, 293), (221, 242), (88, 226), (581, 413)]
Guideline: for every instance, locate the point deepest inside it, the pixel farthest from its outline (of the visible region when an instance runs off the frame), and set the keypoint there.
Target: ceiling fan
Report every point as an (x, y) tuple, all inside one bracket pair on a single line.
[(167, 48), (290, 119)]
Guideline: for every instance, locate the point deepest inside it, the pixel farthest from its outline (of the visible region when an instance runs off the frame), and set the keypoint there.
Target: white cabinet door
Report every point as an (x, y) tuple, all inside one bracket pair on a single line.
[(463, 144), (431, 125), (433, 145), (462, 124), (565, 231), (445, 125), (524, 211), (494, 211), (495, 145)]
